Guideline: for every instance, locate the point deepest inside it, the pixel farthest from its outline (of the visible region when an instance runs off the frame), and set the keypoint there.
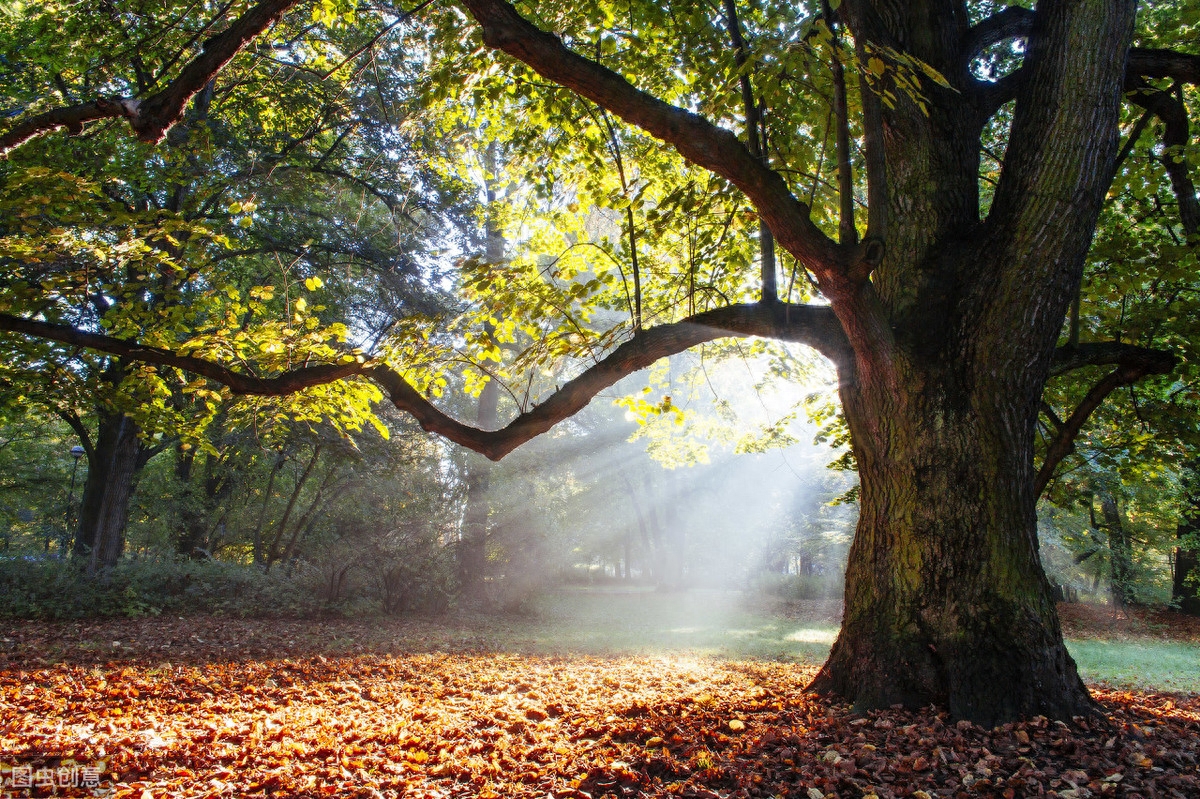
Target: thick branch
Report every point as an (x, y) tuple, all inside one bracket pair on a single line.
[(1134, 363), (1013, 22), (73, 118), (807, 324), (1148, 62), (239, 382), (1016, 23), (1111, 353), (697, 139), (814, 325), (152, 116), (1168, 106)]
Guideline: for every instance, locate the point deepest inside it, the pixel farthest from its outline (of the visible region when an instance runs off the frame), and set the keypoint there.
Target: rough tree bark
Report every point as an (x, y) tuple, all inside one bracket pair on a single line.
[(946, 600)]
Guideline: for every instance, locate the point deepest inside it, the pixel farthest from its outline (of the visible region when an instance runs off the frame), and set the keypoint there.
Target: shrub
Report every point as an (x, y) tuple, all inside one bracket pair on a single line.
[(61, 589)]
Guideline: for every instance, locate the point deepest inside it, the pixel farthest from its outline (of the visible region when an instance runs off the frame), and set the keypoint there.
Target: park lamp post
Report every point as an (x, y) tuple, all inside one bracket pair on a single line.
[(77, 452)]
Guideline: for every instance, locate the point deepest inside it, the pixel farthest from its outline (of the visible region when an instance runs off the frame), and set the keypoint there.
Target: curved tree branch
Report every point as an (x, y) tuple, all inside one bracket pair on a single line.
[(840, 271), (807, 324), (1015, 22), (152, 116), (1168, 106), (814, 325), (1111, 353), (1133, 363), (238, 382), (1149, 62)]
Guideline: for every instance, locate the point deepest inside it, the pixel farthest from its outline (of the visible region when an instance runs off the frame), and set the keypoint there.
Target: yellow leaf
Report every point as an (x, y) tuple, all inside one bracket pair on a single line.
[(737, 725), (876, 65)]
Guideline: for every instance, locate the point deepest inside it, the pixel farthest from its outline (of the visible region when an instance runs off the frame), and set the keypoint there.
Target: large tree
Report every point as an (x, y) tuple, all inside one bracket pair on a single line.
[(942, 306)]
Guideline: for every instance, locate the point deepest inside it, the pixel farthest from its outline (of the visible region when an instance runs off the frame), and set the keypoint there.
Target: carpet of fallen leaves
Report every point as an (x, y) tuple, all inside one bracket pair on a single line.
[(212, 707), (1081, 620)]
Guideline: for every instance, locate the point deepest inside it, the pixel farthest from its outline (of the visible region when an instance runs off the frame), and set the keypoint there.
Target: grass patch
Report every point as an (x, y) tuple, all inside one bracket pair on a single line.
[(730, 625), (1146, 665)]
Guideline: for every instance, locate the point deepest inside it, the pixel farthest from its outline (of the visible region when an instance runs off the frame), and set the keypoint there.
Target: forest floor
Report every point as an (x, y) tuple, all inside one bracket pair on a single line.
[(626, 694)]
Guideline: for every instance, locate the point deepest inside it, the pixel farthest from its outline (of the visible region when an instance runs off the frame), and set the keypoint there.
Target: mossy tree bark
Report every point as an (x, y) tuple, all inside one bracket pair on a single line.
[(946, 600)]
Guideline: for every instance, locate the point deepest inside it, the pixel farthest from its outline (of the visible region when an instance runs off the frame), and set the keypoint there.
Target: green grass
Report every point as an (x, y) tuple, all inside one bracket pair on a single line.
[(632, 621), (1147, 664), (725, 624)]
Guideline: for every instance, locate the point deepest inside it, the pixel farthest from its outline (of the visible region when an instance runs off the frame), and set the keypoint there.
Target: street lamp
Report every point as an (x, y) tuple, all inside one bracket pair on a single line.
[(77, 452)]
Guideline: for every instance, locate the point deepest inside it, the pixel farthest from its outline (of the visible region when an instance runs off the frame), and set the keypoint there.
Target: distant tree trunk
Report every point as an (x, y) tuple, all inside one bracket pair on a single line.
[(273, 552), (627, 549), (1120, 551), (674, 534), (472, 549), (649, 559), (190, 535), (113, 464), (1186, 563), (1187, 534), (260, 557)]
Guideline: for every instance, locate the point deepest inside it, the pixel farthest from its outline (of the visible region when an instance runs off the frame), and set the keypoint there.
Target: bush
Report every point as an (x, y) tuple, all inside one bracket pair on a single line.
[(57, 589)]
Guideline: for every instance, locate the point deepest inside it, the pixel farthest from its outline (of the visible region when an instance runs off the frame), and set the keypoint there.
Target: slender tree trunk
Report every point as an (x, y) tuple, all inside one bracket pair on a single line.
[(627, 549), (1119, 551), (472, 552), (273, 551), (650, 557), (260, 557), (1186, 563), (191, 533)]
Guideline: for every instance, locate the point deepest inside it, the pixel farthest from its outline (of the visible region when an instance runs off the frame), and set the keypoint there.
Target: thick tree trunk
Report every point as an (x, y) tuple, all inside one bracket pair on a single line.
[(190, 535), (946, 600), (104, 511)]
